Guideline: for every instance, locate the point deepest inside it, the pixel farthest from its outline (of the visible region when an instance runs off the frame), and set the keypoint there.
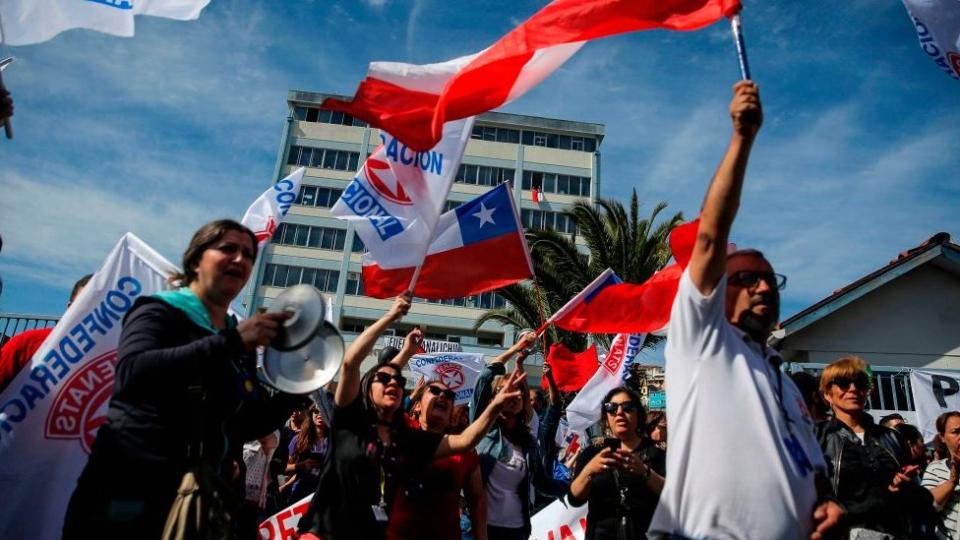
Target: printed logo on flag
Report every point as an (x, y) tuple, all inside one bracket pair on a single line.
[(397, 194), (119, 4), (954, 60), (80, 408), (451, 375), (615, 357), (267, 232)]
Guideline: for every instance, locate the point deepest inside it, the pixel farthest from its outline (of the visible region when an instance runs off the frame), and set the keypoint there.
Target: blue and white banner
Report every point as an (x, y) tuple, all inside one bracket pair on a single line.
[(50, 413), (938, 29), (459, 371)]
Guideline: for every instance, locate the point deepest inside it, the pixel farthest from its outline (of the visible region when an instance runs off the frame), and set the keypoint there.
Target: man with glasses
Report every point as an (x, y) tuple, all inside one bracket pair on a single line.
[(743, 460)]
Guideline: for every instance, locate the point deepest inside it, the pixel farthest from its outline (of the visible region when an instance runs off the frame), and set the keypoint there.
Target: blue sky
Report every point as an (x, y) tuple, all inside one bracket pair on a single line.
[(858, 160)]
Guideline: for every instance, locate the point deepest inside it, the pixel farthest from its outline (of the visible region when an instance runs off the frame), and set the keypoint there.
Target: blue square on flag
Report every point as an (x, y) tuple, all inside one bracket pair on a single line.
[(612, 279), (487, 217)]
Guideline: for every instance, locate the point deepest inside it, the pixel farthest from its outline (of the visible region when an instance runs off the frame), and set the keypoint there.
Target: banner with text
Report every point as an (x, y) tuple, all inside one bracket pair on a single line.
[(50, 413), (559, 521), (934, 393), (459, 371)]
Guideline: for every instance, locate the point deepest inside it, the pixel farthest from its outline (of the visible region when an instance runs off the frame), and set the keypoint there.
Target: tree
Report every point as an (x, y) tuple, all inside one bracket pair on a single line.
[(634, 248)]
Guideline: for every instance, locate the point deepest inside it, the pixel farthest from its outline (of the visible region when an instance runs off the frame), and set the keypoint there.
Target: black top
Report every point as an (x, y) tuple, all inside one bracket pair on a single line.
[(615, 494), (359, 468), (140, 454)]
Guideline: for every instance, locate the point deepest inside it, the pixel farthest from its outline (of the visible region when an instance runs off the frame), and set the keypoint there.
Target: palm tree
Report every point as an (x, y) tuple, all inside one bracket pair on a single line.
[(634, 248)]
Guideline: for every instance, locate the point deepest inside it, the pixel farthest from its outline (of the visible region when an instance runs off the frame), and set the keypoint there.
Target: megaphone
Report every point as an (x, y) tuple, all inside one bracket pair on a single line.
[(307, 351)]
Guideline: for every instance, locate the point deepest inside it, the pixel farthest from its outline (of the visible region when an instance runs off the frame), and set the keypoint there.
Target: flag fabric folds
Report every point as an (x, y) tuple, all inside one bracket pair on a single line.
[(938, 28), (268, 211), (414, 102), (608, 305), (458, 371), (397, 196), (478, 247), (570, 370), (584, 410), (25, 22)]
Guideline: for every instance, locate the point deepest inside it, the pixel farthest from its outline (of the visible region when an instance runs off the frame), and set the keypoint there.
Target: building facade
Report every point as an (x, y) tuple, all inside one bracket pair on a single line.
[(557, 158)]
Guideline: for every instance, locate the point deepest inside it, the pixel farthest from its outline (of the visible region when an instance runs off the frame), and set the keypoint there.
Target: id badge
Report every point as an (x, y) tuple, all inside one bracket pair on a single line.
[(379, 513)]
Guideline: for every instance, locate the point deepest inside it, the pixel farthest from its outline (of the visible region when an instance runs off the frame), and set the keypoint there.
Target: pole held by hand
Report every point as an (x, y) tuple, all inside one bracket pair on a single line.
[(741, 47)]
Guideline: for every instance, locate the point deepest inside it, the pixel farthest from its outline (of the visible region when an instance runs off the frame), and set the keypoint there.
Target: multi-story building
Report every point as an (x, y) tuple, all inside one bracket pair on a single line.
[(559, 158)]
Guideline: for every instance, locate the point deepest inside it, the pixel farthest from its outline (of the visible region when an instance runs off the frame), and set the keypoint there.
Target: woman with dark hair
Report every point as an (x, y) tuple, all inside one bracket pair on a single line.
[(656, 423), (185, 392), (620, 479), (373, 446), (870, 470), (511, 462), (942, 477), (308, 451)]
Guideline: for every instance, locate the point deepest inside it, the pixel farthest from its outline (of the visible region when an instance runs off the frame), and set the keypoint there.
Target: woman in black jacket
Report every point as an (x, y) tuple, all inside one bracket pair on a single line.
[(622, 478), (185, 389), (870, 470)]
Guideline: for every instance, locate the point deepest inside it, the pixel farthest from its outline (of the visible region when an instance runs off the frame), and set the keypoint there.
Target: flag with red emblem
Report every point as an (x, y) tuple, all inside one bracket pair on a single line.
[(265, 214)]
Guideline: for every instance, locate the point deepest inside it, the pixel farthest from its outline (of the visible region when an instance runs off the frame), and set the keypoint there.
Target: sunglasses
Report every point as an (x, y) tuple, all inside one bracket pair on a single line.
[(843, 383), (750, 279), (437, 391), (612, 408), (384, 378)]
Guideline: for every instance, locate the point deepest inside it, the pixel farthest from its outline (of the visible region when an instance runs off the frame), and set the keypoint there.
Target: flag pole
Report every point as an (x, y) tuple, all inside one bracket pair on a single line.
[(735, 26), (7, 126)]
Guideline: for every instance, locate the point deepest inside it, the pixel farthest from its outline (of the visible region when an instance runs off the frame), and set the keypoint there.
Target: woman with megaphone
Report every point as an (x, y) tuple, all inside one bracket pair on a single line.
[(185, 399), (374, 447)]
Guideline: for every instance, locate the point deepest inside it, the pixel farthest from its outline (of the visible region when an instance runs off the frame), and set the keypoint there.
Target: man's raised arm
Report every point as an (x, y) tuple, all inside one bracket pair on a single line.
[(709, 260)]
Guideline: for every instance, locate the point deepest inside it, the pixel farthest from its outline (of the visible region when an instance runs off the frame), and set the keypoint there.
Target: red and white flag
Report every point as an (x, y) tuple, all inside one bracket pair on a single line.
[(584, 410), (938, 28), (535, 195), (265, 214), (414, 102)]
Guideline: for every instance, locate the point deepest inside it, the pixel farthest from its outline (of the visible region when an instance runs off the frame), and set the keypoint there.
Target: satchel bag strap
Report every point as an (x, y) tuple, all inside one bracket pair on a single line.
[(196, 397)]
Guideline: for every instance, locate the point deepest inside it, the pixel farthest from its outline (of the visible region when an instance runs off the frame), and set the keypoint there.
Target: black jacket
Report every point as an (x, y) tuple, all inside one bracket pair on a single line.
[(140, 453), (860, 474)]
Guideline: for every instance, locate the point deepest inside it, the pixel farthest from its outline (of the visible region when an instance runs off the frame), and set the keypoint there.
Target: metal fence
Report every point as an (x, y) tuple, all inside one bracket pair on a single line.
[(12, 324)]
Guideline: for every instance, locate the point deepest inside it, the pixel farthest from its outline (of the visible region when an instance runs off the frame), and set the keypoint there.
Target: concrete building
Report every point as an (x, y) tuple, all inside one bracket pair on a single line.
[(560, 158), (900, 317)]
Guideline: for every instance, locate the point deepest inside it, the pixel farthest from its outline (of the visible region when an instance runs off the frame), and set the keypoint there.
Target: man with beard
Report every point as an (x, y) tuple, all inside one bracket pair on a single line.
[(743, 461)]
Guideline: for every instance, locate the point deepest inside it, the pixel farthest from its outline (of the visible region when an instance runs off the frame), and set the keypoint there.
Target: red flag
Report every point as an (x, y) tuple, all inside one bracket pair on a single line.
[(571, 370), (535, 195), (413, 104), (609, 306)]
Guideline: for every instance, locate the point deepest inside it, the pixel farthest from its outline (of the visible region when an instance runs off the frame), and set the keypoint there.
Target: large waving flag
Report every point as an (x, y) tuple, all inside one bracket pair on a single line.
[(268, 211), (25, 22), (571, 370), (478, 247), (396, 197), (414, 102), (938, 27), (608, 306), (584, 410), (50, 413)]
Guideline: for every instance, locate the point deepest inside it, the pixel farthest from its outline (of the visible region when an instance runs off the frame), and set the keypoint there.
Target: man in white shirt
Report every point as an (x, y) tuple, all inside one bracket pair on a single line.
[(743, 461)]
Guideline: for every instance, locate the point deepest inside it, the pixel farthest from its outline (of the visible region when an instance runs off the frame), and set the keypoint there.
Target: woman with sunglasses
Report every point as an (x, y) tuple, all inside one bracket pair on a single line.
[(185, 392), (870, 473), (308, 450), (373, 446), (656, 423), (435, 491), (511, 461), (620, 479)]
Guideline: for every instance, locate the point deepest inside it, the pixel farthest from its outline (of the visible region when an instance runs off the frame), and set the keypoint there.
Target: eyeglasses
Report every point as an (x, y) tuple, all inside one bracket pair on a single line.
[(437, 391), (384, 378), (612, 408), (843, 383), (750, 279)]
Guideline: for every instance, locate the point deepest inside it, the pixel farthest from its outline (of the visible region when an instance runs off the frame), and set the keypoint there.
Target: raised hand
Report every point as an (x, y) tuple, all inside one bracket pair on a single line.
[(745, 109)]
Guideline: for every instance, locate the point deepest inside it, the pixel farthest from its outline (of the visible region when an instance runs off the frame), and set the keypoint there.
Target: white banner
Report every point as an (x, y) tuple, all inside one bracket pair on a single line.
[(938, 28), (50, 413), (459, 371), (397, 196), (934, 393), (584, 410), (283, 524), (559, 521)]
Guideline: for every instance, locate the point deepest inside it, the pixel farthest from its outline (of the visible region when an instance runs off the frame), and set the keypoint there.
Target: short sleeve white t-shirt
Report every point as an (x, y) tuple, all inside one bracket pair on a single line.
[(736, 467), (503, 500)]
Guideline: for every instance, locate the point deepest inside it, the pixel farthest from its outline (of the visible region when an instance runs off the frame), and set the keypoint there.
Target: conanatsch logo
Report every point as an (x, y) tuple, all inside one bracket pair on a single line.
[(267, 232), (395, 194), (615, 357), (80, 407), (451, 375)]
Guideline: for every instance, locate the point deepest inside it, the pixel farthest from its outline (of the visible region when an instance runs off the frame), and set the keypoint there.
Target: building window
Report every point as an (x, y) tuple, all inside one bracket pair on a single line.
[(293, 234), (489, 340), (324, 158), (563, 142), (282, 275), (541, 219), (497, 134), (488, 300), (482, 175), (354, 283), (323, 116), (358, 246), (318, 196), (556, 183)]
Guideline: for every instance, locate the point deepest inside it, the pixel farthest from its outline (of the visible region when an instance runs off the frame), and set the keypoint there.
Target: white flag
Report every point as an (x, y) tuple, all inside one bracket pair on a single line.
[(266, 213), (559, 521), (584, 410), (938, 28), (459, 371), (25, 22), (397, 196), (50, 413)]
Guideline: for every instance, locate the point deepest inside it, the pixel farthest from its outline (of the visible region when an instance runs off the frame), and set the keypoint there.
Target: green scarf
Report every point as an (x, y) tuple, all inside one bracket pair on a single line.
[(186, 301)]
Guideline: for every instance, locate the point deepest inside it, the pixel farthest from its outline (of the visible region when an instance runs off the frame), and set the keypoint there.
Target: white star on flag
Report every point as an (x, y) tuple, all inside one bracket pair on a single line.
[(485, 216)]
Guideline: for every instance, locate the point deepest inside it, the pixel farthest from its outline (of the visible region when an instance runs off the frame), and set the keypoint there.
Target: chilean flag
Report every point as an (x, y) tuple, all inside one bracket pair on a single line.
[(413, 102), (571, 370), (609, 306), (477, 247)]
